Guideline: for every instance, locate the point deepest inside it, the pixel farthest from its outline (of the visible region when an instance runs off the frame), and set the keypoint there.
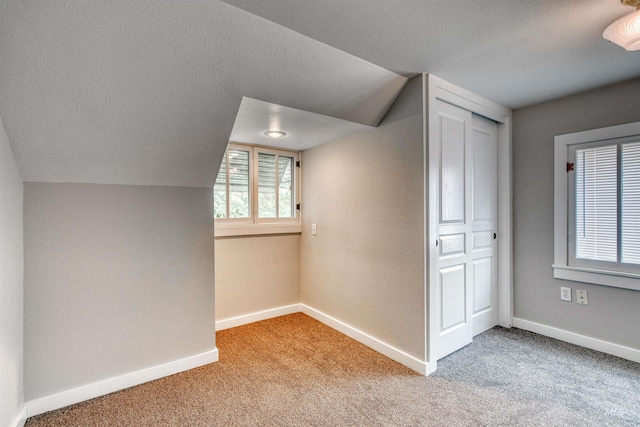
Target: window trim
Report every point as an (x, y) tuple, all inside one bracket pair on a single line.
[(561, 267), (296, 186), (228, 227)]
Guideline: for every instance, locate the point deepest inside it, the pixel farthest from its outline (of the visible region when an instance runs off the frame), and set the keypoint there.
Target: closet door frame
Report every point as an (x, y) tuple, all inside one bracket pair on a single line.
[(438, 89)]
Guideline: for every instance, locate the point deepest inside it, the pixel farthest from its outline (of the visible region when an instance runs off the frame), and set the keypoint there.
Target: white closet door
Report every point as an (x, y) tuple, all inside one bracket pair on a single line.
[(484, 224), (466, 279)]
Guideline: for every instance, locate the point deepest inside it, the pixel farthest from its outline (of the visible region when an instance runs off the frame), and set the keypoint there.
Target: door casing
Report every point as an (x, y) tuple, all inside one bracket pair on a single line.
[(438, 89)]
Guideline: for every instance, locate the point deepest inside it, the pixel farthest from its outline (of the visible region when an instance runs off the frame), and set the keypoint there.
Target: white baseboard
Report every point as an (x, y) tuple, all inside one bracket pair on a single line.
[(100, 388), (245, 319), (391, 352), (20, 418), (363, 338), (581, 340), (80, 394)]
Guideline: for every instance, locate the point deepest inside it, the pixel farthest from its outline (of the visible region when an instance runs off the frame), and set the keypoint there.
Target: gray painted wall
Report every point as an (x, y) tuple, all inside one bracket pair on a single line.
[(256, 273), (11, 282), (612, 314), (365, 193), (117, 279)]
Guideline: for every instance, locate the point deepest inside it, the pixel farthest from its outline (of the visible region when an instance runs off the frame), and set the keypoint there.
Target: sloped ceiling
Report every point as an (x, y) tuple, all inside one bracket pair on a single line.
[(146, 92), (514, 52)]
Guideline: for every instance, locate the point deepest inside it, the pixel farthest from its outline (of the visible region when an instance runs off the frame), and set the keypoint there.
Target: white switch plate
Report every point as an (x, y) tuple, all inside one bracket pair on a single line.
[(581, 297), (565, 293), (314, 229)]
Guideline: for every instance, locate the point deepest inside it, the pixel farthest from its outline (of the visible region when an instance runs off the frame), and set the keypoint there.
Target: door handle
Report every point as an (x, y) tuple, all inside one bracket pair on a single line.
[(494, 236)]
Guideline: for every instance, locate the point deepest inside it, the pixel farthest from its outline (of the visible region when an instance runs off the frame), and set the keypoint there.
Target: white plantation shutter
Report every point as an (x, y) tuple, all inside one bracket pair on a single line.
[(631, 203), (220, 191), (286, 209), (231, 192), (276, 184), (239, 196), (267, 185)]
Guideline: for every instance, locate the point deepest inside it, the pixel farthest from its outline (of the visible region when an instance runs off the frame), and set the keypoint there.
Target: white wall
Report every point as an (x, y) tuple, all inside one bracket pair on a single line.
[(256, 273), (365, 267), (11, 283), (117, 279), (612, 314)]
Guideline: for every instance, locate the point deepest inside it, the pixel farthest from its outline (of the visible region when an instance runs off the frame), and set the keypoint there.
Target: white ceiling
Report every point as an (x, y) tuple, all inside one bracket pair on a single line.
[(514, 52), (303, 129), (146, 92)]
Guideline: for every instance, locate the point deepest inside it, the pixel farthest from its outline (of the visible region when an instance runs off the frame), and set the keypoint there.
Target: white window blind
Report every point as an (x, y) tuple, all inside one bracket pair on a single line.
[(631, 203), (607, 203), (596, 203), (597, 206)]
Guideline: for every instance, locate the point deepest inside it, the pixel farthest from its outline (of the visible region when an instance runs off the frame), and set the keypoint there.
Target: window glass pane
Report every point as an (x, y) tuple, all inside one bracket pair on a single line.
[(239, 206), (596, 203), (631, 203), (266, 185), (285, 187), (220, 192)]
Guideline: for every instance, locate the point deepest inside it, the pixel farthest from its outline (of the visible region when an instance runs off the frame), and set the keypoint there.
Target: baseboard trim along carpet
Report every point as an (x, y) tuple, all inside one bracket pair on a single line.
[(363, 338), (581, 340), (20, 418), (100, 388), (245, 319)]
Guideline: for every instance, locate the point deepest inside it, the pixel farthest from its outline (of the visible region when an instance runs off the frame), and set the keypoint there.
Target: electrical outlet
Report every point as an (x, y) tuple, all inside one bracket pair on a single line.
[(565, 294), (581, 297), (314, 230)]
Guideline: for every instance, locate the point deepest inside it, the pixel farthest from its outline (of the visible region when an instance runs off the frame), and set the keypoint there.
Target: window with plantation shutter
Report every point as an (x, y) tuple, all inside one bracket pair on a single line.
[(232, 197), (597, 206), (275, 185), (257, 191)]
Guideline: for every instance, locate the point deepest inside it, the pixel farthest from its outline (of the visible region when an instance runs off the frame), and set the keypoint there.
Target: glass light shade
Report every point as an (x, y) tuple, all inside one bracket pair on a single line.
[(625, 31), (275, 134)]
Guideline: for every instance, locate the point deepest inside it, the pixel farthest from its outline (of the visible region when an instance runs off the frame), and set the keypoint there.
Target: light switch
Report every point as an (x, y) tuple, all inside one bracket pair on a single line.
[(314, 229)]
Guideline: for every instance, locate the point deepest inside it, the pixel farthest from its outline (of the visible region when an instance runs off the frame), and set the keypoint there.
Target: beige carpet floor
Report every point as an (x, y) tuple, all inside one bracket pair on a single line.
[(295, 371)]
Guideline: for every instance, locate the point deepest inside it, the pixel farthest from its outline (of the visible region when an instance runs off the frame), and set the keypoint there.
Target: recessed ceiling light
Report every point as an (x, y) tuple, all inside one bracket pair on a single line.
[(275, 134)]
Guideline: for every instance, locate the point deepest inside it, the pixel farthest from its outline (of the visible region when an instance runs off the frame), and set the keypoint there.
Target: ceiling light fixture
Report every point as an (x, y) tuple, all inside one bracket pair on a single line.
[(275, 134), (626, 30)]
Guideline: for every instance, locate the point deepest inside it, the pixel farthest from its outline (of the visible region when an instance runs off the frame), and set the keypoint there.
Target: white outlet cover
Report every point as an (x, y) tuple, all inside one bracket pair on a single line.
[(565, 293), (581, 297)]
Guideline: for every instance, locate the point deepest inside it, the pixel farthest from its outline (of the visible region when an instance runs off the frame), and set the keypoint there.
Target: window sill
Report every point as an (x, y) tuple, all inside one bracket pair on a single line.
[(256, 229), (597, 277)]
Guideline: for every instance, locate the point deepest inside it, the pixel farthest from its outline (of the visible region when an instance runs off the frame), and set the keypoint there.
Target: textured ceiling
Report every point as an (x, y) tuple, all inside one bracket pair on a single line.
[(304, 130), (514, 52), (146, 92)]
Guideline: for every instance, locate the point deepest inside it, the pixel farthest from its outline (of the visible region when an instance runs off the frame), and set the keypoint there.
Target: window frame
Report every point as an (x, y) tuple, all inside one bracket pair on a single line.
[(596, 272), (253, 225), (236, 221), (275, 152)]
